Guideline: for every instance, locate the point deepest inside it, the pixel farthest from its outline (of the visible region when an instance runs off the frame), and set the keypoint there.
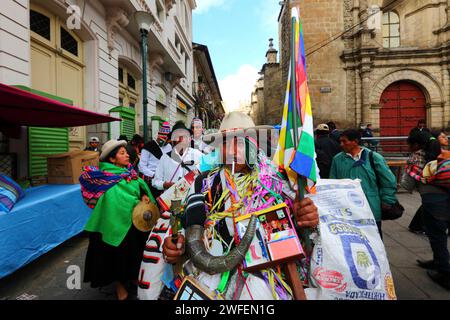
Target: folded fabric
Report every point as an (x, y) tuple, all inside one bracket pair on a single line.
[(10, 193), (95, 182)]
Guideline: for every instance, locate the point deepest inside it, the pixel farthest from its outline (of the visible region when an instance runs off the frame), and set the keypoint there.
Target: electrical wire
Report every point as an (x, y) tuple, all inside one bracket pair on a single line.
[(396, 3), (338, 35)]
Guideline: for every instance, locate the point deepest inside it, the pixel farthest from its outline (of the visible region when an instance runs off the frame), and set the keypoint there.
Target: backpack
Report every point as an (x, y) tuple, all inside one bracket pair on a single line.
[(392, 212)]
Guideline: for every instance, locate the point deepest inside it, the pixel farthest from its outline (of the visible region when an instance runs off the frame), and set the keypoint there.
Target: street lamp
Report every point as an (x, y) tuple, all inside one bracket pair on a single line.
[(144, 20)]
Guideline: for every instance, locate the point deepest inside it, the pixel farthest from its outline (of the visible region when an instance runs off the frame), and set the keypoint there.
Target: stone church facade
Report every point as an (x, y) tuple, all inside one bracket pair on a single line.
[(267, 96), (389, 69)]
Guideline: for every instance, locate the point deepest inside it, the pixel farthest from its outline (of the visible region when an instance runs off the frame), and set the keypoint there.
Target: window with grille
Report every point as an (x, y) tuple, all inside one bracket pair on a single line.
[(128, 127), (128, 94), (8, 164), (68, 42), (47, 29), (40, 24), (391, 30)]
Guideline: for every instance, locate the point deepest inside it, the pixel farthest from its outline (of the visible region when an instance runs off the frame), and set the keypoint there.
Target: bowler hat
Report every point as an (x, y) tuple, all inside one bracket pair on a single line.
[(110, 146)]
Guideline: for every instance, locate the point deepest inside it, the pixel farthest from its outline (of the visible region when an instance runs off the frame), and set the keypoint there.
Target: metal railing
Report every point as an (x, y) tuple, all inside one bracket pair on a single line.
[(395, 151), (388, 147)]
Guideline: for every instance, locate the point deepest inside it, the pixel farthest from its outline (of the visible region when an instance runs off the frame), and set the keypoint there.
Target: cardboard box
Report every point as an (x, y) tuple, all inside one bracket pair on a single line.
[(66, 168)]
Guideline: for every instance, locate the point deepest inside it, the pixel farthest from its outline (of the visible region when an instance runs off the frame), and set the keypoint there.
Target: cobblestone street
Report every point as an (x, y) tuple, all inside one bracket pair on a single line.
[(46, 278)]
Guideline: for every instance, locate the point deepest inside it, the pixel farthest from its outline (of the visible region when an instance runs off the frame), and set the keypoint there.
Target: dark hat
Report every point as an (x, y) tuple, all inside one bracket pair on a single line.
[(137, 138), (179, 125)]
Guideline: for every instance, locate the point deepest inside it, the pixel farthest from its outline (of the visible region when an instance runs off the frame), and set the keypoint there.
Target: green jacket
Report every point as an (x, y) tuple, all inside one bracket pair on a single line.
[(112, 215), (342, 168)]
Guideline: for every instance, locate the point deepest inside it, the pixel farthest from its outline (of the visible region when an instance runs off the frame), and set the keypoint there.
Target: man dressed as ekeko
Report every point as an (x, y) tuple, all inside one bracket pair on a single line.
[(244, 184)]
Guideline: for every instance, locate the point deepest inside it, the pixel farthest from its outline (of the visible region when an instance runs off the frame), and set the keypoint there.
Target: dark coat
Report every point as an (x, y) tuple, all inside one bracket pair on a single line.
[(326, 149), (134, 158)]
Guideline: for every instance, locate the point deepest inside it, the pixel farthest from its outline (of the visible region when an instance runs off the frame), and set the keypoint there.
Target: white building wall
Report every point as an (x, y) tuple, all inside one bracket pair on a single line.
[(107, 61), (101, 71), (14, 42)]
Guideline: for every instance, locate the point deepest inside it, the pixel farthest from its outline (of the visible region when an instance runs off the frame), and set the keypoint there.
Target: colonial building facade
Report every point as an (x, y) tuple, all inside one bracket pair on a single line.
[(87, 52), (267, 96), (389, 69), (208, 100)]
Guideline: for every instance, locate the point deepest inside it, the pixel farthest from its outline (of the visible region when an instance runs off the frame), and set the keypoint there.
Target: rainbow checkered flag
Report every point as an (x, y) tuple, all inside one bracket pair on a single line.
[(295, 151)]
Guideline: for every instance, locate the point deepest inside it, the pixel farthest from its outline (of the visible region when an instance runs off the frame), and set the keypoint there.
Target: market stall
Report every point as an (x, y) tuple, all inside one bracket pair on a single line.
[(46, 215)]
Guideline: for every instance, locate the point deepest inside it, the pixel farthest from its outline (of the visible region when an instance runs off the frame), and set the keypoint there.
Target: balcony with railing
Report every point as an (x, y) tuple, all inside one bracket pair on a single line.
[(206, 107)]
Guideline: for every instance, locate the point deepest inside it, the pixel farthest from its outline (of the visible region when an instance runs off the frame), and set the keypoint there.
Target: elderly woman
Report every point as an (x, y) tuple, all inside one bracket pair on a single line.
[(115, 245)]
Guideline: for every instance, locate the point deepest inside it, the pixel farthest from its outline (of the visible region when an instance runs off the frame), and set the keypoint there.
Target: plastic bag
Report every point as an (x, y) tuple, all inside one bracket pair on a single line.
[(349, 260)]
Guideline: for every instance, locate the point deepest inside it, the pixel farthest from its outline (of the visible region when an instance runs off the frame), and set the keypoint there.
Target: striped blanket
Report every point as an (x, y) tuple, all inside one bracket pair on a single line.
[(95, 182), (440, 173)]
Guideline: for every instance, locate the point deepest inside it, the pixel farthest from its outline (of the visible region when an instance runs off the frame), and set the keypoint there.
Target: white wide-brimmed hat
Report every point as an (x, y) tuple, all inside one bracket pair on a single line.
[(323, 127), (236, 123), (110, 146)]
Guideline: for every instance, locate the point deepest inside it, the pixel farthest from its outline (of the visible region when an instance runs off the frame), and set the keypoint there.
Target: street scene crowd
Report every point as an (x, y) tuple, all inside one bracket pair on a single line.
[(146, 171), (165, 196)]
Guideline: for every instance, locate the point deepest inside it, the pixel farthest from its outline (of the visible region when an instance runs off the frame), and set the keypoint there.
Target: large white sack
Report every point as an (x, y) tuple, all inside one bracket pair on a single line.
[(349, 259)]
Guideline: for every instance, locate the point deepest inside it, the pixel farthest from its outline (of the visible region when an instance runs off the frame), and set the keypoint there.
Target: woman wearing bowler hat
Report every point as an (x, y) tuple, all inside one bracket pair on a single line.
[(115, 245)]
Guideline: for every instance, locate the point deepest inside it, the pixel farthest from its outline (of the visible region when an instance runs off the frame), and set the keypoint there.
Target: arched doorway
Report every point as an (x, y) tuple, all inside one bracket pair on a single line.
[(402, 106)]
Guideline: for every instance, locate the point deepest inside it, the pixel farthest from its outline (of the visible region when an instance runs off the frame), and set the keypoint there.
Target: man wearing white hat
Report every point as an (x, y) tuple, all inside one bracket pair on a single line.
[(93, 144), (219, 196), (326, 148)]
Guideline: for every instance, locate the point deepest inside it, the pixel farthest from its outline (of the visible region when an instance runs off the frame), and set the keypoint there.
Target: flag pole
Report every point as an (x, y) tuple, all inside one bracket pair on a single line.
[(291, 267), (301, 182)]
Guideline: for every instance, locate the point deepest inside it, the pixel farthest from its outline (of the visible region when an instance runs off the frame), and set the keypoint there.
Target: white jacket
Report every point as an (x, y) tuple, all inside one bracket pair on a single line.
[(148, 162), (169, 169)]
